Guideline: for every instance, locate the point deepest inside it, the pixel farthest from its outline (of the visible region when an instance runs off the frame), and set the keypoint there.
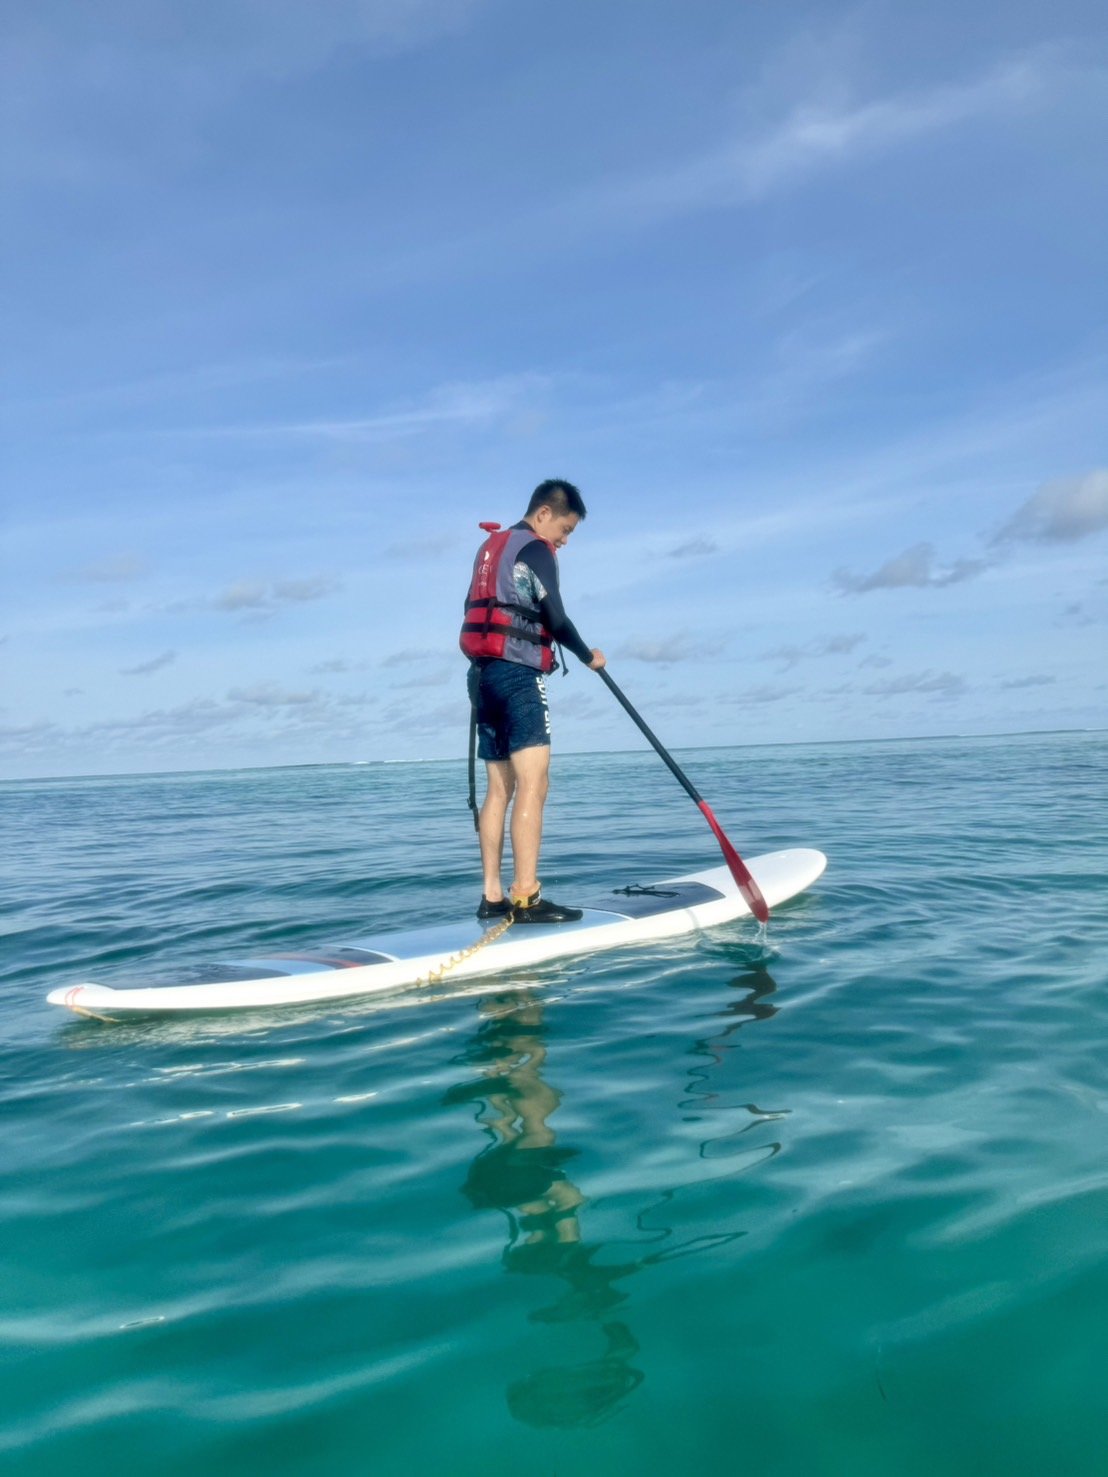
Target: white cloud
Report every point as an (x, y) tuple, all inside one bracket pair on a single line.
[(242, 596), (296, 592), (111, 569), (1064, 511), (915, 567), (408, 719), (821, 646), (26, 737), (336, 666), (155, 664), (195, 716), (934, 684), (678, 648), (265, 598), (261, 710), (762, 693), (269, 695), (458, 405), (693, 548), (822, 134), (410, 654), (1077, 613)]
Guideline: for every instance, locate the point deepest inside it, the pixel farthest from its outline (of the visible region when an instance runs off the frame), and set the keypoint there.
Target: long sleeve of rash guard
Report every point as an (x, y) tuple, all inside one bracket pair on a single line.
[(542, 564)]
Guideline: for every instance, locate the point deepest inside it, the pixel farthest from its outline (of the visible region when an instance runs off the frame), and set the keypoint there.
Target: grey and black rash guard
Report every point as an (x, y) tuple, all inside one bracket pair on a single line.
[(536, 579)]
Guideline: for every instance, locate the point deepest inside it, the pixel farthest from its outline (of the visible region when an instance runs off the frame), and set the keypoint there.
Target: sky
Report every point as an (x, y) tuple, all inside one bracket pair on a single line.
[(809, 300)]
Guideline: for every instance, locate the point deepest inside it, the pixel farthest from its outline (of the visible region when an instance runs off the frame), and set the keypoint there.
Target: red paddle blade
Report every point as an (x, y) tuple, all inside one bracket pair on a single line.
[(750, 890)]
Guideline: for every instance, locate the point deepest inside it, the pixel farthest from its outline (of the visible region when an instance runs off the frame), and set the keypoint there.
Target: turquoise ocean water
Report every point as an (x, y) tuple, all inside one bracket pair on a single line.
[(828, 1203)]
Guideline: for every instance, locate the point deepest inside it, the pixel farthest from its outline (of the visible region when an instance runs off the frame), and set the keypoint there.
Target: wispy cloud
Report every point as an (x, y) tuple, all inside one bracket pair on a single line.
[(693, 548), (761, 694), (188, 383), (822, 646), (818, 135), (1016, 684), (269, 695), (915, 567), (411, 654), (681, 647), (930, 684), (336, 666), (1077, 613), (112, 569), (438, 676), (258, 711), (458, 405), (264, 598), (408, 719), (155, 664), (1064, 511)]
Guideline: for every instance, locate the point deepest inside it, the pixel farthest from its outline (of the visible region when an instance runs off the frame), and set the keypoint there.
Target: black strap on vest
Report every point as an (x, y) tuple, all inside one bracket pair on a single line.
[(514, 633), (529, 612), (524, 612)]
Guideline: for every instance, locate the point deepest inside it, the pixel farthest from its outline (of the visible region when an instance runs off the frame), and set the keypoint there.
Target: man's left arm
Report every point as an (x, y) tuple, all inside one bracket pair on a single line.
[(545, 569)]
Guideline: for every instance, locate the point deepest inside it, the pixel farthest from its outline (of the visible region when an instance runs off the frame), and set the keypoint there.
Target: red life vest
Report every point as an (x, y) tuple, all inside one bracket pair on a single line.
[(497, 624)]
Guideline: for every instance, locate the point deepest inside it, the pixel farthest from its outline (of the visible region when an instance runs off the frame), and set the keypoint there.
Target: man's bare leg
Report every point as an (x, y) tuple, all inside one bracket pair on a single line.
[(531, 771), (498, 793)]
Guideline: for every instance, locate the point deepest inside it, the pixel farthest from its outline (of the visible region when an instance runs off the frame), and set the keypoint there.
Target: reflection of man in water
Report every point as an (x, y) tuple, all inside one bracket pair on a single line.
[(521, 1172)]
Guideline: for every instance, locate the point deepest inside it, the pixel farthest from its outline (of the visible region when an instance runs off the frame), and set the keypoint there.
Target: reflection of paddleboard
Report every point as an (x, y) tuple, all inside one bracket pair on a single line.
[(393, 961)]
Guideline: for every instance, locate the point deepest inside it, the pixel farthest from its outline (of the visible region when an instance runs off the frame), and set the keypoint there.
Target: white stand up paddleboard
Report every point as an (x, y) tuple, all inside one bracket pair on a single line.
[(628, 914)]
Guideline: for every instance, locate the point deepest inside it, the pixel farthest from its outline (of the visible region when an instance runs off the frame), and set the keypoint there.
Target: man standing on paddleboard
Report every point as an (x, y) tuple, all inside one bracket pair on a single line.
[(513, 618)]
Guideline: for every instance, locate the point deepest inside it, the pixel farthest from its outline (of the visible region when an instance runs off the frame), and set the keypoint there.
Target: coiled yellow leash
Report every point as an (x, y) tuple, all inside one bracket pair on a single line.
[(519, 904), (434, 975)]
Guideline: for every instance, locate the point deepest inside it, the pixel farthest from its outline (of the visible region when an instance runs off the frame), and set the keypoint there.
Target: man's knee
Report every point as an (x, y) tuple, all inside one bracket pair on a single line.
[(534, 789), (501, 780), (531, 769)]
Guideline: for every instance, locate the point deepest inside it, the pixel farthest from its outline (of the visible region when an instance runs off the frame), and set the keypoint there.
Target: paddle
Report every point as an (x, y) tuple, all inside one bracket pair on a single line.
[(735, 864)]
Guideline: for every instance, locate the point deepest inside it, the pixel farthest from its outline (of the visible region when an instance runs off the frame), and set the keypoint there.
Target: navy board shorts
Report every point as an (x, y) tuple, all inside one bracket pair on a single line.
[(510, 703)]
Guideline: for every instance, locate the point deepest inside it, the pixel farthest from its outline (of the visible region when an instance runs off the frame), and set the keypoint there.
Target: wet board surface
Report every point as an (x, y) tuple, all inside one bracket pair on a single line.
[(629, 913)]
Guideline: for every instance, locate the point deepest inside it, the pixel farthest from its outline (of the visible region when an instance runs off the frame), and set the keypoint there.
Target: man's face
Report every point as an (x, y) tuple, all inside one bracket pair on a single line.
[(554, 527)]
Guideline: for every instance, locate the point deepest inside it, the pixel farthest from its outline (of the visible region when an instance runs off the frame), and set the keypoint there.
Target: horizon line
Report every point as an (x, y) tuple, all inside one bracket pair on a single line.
[(567, 754)]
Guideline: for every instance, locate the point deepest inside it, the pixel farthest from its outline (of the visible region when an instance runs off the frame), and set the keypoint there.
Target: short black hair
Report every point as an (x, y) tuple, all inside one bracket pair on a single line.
[(558, 495)]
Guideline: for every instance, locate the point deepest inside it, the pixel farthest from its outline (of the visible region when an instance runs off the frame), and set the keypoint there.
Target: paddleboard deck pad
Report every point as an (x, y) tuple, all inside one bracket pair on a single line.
[(629, 914)]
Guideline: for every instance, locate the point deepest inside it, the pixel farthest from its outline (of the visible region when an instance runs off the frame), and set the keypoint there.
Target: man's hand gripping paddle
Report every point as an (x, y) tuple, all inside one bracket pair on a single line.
[(735, 864)]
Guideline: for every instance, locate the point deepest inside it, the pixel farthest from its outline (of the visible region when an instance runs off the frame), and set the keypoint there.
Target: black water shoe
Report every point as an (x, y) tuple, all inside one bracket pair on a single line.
[(538, 909), (488, 910)]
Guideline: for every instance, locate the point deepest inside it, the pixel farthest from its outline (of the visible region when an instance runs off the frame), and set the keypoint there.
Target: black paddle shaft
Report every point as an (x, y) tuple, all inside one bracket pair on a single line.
[(747, 885), (663, 753)]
